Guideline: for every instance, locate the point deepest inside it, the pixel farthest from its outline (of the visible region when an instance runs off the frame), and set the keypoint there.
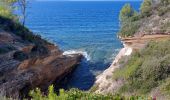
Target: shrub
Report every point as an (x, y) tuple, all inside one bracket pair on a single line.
[(165, 2), (129, 29), (129, 69), (146, 8), (94, 88), (165, 27), (165, 87), (129, 21), (146, 69), (126, 12), (6, 8), (163, 10), (75, 94), (18, 29)]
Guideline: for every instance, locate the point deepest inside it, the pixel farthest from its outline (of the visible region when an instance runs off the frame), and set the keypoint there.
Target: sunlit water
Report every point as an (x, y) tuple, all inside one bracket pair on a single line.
[(85, 27)]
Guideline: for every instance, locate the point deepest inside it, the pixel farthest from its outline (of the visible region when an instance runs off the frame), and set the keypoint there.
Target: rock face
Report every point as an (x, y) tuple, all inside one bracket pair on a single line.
[(104, 82), (25, 65), (159, 20)]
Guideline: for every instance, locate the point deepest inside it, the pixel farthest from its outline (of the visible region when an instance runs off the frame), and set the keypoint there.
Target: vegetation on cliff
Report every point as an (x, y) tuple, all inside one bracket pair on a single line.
[(75, 94), (153, 18), (146, 69), (26, 60), (129, 21), (6, 8), (10, 22)]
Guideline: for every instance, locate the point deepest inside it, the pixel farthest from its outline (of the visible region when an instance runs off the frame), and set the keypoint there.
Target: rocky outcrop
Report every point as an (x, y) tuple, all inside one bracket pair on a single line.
[(154, 26), (25, 65), (104, 82), (158, 22)]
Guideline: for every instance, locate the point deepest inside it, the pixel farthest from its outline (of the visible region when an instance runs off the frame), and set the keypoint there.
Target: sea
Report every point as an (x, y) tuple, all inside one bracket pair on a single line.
[(87, 27)]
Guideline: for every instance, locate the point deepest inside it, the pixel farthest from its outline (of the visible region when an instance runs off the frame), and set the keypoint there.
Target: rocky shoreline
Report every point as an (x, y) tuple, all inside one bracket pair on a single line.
[(104, 83), (25, 65)]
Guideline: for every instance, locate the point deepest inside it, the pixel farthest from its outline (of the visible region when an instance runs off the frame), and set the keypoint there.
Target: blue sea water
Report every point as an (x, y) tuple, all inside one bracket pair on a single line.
[(87, 27)]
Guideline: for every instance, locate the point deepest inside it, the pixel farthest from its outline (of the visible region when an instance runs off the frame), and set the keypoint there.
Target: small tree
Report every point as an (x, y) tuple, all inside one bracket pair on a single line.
[(7, 7), (146, 7), (129, 21), (126, 12), (22, 6)]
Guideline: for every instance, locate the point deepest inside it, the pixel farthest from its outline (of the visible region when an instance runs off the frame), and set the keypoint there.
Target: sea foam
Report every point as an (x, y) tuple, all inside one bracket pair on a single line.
[(84, 53)]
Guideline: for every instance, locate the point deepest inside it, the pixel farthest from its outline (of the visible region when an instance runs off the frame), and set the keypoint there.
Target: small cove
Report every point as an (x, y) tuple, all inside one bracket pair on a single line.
[(87, 27)]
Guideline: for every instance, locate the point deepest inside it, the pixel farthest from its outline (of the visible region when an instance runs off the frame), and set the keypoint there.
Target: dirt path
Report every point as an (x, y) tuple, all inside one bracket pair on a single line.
[(140, 42)]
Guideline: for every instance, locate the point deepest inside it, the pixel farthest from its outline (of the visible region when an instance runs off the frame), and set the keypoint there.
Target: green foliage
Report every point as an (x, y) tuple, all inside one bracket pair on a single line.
[(129, 21), (94, 88), (38, 95), (163, 10), (165, 2), (10, 25), (129, 69), (7, 7), (163, 7), (165, 87), (129, 28), (165, 27), (146, 69), (126, 12), (75, 94), (146, 8)]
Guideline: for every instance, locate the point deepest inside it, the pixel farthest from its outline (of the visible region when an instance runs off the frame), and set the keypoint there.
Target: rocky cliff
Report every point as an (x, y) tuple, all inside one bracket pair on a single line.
[(27, 61), (126, 74), (104, 82)]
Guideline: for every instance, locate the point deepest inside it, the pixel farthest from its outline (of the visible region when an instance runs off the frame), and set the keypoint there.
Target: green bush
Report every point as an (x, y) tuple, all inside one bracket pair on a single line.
[(165, 87), (126, 12), (146, 69), (129, 29), (94, 88), (13, 26), (75, 94), (6, 8), (129, 69), (146, 8), (163, 10), (129, 21), (165, 2), (165, 27)]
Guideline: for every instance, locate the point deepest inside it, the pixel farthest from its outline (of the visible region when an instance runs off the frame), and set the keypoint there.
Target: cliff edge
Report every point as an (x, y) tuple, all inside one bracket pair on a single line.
[(142, 66), (28, 61)]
